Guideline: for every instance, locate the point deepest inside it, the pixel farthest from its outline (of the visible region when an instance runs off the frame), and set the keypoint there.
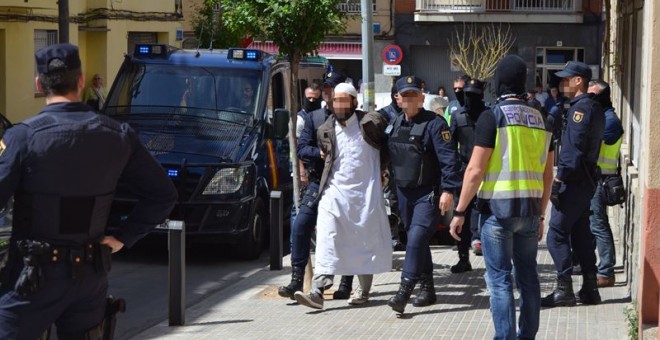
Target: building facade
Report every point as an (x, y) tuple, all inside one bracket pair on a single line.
[(631, 65), (547, 33), (104, 30)]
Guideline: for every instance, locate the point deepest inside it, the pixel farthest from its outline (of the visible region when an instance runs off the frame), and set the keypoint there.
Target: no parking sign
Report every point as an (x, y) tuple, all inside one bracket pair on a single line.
[(392, 54)]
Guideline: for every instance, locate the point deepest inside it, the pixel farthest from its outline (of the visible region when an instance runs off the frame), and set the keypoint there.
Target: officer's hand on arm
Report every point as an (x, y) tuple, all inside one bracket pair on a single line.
[(322, 154), (446, 202), (113, 243)]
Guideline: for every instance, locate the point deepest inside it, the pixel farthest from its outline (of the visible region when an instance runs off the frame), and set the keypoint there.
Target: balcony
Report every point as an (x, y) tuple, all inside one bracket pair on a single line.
[(556, 11), (353, 7)]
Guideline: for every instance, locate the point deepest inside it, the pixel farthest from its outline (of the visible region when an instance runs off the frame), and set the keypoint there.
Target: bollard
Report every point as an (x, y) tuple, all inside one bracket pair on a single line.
[(177, 271), (276, 230)]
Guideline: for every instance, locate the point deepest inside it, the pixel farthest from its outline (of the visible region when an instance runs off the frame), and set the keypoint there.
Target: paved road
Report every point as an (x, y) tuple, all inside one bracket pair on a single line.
[(140, 276)]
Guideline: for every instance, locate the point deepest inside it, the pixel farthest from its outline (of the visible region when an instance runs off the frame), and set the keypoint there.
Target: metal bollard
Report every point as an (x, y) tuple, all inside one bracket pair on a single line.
[(276, 230), (177, 271)]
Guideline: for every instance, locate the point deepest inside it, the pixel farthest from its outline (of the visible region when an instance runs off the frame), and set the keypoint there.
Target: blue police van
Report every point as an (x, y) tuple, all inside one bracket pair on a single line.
[(217, 121)]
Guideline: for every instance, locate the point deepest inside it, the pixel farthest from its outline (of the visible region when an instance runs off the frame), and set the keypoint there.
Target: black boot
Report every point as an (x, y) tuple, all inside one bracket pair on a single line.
[(562, 296), (345, 288), (589, 295), (463, 264), (398, 302), (296, 284), (426, 296)]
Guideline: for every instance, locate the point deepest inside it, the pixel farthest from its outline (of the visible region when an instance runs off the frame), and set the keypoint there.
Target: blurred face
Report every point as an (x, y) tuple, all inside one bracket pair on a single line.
[(312, 95), (411, 101), (441, 92), (343, 104), (327, 95), (595, 89), (571, 86)]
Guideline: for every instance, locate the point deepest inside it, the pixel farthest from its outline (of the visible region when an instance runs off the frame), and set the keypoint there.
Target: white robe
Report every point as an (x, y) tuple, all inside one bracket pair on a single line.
[(352, 230)]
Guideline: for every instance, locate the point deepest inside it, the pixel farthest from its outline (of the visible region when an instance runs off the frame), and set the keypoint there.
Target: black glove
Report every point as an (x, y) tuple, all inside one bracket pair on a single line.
[(554, 196)]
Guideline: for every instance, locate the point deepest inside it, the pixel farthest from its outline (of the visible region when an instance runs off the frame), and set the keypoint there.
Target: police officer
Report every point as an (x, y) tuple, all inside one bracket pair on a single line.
[(511, 168), (423, 155), (390, 112), (573, 188), (303, 226), (462, 126), (62, 166)]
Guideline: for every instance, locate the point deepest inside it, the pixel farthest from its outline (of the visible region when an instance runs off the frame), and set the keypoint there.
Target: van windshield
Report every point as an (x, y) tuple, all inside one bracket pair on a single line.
[(225, 94)]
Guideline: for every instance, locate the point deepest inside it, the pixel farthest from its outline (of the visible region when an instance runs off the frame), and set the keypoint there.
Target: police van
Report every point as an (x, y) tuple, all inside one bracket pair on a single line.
[(217, 121)]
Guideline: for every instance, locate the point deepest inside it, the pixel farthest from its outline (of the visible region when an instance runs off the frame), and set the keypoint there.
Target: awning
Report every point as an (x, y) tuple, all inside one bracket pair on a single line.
[(331, 50)]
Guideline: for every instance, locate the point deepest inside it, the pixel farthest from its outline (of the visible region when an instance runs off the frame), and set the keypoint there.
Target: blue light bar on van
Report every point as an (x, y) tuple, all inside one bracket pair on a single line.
[(243, 54), (173, 172), (150, 50)]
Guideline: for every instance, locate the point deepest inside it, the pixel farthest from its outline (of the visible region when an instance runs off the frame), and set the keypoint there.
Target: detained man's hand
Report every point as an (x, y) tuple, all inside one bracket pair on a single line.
[(113, 243), (456, 226)]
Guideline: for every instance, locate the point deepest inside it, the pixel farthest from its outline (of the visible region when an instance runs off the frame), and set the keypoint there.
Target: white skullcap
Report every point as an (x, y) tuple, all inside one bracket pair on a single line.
[(346, 88)]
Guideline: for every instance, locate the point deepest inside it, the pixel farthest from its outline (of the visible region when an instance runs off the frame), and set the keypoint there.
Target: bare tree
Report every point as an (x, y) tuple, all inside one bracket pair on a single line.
[(477, 50)]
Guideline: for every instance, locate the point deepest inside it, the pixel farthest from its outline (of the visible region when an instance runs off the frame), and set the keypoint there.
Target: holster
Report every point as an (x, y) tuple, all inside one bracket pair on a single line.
[(112, 308), (103, 259), (31, 278)]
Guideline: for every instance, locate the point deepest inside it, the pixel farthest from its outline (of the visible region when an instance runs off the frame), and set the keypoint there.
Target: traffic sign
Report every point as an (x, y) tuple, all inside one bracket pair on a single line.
[(392, 54)]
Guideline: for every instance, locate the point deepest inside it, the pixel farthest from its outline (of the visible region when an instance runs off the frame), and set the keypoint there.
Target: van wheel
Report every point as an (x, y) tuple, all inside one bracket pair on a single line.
[(249, 248)]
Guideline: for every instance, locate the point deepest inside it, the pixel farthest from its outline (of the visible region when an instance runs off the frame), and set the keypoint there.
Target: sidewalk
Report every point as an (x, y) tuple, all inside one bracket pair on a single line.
[(251, 309)]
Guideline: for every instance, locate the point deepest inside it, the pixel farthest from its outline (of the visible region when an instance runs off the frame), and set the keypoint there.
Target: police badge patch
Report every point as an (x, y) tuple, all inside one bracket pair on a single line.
[(3, 147), (578, 116), (446, 136)]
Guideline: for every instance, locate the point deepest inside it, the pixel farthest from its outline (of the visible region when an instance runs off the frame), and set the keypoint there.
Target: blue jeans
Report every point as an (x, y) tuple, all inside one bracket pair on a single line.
[(511, 245), (420, 216), (303, 226), (600, 228)]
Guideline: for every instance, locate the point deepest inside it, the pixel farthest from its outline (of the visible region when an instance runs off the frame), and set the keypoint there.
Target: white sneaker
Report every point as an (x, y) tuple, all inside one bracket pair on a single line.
[(358, 297)]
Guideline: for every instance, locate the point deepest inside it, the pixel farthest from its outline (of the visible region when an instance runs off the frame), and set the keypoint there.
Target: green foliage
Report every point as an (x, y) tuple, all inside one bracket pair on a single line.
[(296, 26), (210, 29), (632, 319)]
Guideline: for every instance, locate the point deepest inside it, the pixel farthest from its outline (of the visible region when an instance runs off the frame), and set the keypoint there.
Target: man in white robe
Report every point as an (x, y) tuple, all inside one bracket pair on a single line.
[(352, 232)]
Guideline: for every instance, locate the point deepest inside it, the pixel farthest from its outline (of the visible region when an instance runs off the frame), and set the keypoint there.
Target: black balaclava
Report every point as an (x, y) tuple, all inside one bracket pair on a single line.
[(510, 77), (310, 106), (603, 98), (393, 95), (474, 102), (460, 96)]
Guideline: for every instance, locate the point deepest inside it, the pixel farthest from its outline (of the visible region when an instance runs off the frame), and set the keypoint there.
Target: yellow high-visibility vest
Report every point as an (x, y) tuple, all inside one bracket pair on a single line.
[(513, 182), (608, 157)]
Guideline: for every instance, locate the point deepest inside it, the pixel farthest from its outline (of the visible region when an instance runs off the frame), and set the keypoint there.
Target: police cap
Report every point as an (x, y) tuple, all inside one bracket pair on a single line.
[(58, 57), (333, 78), (575, 68), (474, 86), (409, 83)]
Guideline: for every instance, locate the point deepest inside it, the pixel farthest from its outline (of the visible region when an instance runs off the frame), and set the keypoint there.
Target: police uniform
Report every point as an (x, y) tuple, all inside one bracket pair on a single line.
[(423, 156), (462, 127), (309, 152), (62, 166), (578, 173)]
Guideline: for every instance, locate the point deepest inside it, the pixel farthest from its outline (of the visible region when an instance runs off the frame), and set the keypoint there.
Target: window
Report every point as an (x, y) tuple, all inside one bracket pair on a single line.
[(43, 38), (552, 59)]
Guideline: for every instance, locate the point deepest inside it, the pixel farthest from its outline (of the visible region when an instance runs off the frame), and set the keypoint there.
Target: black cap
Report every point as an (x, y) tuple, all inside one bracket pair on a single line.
[(474, 86), (333, 78), (575, 68), (409, 83), (48, 57)]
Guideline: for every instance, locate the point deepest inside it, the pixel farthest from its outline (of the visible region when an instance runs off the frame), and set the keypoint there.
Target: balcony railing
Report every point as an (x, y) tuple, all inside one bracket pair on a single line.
[(352, 7), (480, 6)]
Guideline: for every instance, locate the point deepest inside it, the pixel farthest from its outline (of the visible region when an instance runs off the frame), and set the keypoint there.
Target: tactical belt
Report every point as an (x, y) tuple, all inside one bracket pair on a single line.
[(75, 255)]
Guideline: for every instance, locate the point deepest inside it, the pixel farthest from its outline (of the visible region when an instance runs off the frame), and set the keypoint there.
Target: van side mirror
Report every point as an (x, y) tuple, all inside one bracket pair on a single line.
[(280, 123)]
